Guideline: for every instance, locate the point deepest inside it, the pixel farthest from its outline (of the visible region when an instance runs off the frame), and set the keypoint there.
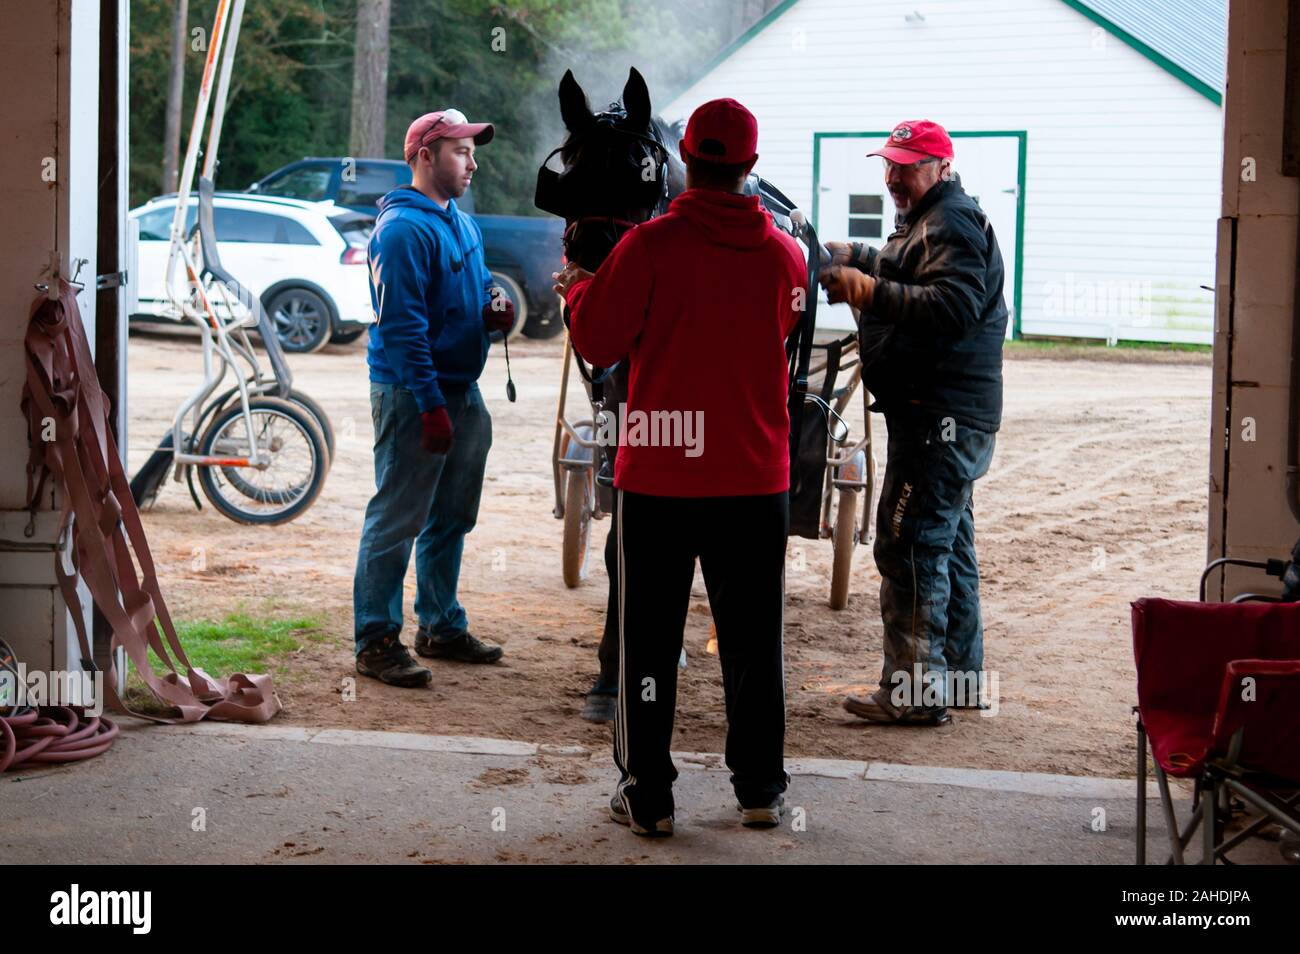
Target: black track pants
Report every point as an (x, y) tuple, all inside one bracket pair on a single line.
[(608, 652), (740, 543)]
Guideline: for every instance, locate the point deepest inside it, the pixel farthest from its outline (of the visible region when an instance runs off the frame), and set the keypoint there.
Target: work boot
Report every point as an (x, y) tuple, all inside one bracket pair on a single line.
[(600, 706), (462, 647), (602, 700), (878, 709), (389, 661)]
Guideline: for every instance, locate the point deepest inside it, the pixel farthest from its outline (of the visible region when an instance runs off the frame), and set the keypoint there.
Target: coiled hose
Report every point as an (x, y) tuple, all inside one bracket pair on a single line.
[(32, 735)]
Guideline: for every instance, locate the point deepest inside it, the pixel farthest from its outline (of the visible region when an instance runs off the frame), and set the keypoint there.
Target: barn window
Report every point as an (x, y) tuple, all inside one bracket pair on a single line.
[(866, 216)]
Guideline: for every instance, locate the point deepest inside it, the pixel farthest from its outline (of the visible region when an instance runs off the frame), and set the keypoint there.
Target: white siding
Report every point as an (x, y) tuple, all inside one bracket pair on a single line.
[(1123, 167)]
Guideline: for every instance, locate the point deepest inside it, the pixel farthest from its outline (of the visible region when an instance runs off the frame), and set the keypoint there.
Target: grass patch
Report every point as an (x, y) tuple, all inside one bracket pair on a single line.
[(241, 643), (237, 643), (1133, 352), (1055, 344), (1166, 346)]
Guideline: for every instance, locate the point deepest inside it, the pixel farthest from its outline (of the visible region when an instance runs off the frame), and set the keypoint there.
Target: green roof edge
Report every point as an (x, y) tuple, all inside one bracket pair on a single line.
[(758, 26), (1168, 65)]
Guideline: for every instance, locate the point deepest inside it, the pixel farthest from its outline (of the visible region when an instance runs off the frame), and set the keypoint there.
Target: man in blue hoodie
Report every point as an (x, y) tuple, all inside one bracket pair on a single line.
[(434, 307)]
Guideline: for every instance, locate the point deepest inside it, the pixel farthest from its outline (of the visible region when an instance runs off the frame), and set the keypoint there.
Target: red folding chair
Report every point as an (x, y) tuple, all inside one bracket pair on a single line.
[(1219, 700)]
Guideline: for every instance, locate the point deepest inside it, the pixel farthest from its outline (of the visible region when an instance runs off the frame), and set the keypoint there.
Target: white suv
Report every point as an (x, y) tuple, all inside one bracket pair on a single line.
[(306, 262)]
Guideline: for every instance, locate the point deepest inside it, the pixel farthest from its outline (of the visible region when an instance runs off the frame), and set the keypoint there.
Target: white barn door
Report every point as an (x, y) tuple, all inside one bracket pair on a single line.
[(854, 205)]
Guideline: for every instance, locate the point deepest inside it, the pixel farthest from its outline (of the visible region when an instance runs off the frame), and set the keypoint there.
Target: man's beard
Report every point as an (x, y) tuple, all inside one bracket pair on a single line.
[(454, 186)]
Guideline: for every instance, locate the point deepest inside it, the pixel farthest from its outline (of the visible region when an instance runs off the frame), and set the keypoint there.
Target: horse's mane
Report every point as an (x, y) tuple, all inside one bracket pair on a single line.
[(671, 134)]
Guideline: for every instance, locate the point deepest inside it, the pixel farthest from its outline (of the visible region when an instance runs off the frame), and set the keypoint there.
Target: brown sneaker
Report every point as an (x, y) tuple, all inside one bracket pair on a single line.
[(389, 661)]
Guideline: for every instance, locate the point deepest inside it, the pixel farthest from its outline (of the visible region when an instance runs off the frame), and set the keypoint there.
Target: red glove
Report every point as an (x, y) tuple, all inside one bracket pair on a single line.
[(499, 313), (435, 431)]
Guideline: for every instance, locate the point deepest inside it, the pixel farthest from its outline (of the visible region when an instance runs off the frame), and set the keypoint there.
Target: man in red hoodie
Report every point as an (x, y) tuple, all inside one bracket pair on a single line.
[(700, 301)]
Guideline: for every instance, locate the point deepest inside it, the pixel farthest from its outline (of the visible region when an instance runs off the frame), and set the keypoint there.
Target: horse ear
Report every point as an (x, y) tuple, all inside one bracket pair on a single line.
[(636, 100), (573, 104)]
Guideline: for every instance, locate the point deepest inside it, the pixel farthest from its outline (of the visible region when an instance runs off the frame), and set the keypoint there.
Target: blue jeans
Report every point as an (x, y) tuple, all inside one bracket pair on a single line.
[(426, 500), (925, 551)]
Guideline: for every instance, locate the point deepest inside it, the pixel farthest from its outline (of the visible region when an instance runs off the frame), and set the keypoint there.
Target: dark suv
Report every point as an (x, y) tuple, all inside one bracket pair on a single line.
[(521, 250)]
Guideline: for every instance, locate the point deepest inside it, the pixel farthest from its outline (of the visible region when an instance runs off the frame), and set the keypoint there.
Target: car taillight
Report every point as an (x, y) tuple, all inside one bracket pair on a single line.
[(353, 255)]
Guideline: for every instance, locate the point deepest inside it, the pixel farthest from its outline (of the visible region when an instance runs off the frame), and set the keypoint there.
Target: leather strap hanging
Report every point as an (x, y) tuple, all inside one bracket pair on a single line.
[(62, 393), (799, 346)]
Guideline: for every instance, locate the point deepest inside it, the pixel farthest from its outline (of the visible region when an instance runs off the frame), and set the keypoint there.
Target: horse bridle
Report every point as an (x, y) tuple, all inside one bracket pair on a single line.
[(618, 225), (614, 225)]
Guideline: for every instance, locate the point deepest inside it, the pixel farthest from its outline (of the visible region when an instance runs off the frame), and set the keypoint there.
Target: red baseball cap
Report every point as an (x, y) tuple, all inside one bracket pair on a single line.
[(914, 140), (722, 130), (444, 124)]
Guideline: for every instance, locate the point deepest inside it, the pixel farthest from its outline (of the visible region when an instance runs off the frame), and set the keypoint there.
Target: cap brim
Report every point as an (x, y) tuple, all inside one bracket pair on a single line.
[(480, 132), (721, 160), (900, 155)]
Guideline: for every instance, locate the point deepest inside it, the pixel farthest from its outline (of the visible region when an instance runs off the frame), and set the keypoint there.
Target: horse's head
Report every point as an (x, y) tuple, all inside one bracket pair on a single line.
[(619, 168)]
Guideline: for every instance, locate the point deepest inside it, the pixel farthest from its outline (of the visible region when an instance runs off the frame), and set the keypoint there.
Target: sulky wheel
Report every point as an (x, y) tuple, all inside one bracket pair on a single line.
[(844, 537), (579, 502), (288, 485)]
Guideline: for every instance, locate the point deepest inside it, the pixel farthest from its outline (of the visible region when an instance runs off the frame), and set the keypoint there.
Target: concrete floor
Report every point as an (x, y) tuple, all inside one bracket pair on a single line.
[(226, 793)]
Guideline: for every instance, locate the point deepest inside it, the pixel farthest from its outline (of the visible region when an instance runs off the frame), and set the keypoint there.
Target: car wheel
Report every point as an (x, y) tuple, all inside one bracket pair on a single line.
[(544, 324), (515, 292), (301, 319)]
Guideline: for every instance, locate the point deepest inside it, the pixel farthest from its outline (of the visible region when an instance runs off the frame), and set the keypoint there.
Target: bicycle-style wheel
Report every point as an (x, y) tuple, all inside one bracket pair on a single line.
[(288, 485), (297, 397), (579, 502), (845, 538), (319, 416)]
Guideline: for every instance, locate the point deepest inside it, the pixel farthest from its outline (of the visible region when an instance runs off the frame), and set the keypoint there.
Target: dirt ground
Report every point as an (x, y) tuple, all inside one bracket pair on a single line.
[(1096, 496)]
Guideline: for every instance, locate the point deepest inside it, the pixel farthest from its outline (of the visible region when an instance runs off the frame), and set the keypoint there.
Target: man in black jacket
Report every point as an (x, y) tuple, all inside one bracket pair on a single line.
[(932, 320)]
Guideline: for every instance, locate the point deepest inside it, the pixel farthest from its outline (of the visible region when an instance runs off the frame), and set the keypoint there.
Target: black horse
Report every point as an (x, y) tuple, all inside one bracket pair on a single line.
[(621, 168)]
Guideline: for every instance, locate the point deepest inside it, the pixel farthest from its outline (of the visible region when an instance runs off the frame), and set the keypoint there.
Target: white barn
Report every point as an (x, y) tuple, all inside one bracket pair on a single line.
[(1091, 131)]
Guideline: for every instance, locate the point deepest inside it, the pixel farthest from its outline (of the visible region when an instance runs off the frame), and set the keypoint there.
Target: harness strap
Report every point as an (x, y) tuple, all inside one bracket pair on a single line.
[(800, 354), (622, 225), (594, 376), (106, 531)]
